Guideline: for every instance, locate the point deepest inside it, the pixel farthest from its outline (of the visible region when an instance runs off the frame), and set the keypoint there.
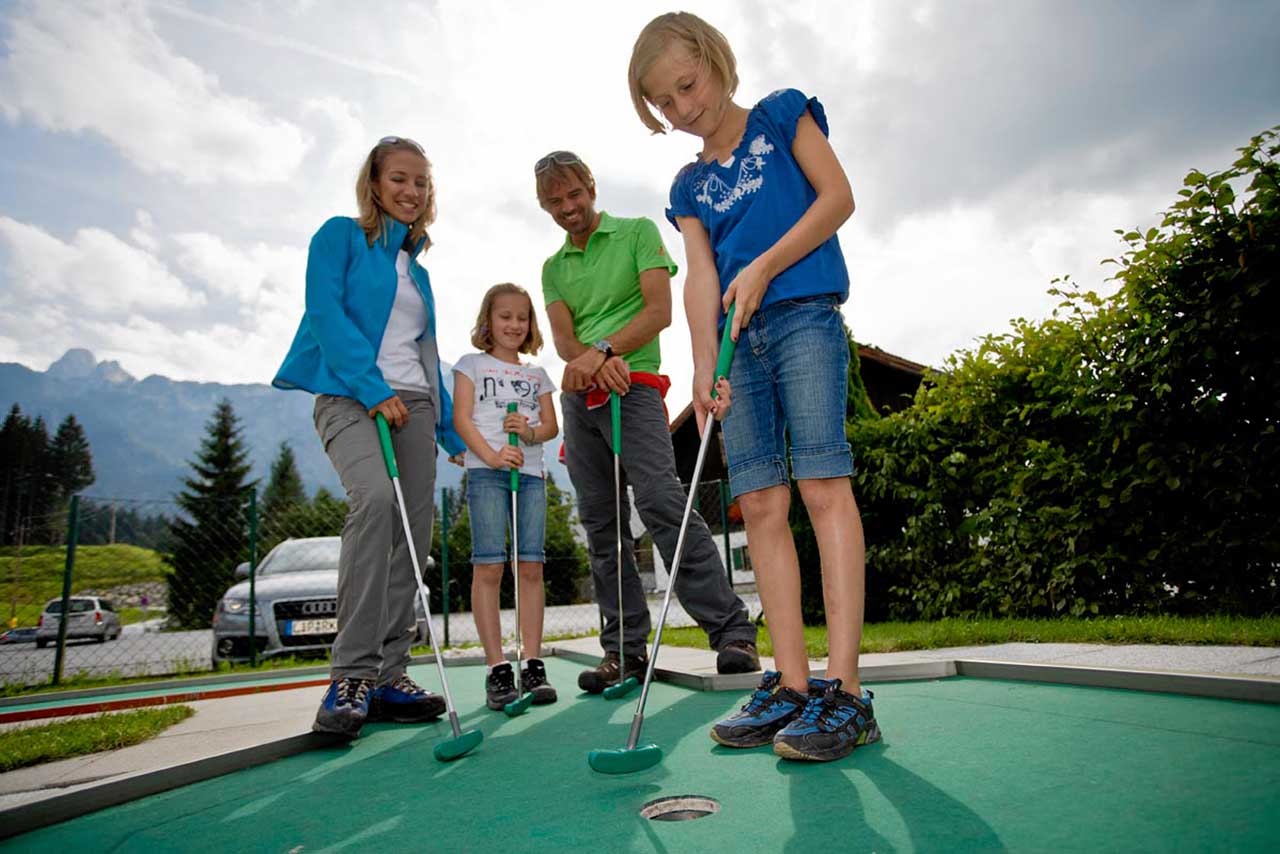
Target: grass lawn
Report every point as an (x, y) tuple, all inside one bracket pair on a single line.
[(24, 746), (898, 637), (36, 578)]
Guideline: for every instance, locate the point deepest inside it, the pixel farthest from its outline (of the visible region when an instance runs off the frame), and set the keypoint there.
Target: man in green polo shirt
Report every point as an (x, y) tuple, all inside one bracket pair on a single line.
[(608, 295)]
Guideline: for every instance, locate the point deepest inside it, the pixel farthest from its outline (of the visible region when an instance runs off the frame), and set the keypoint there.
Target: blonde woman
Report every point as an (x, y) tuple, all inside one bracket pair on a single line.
[(367, 346)]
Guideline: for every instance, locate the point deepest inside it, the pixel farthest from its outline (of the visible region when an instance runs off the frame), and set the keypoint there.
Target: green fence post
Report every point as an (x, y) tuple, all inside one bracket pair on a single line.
[(73, 534), (444, 563), (253, 567), (724, 526)]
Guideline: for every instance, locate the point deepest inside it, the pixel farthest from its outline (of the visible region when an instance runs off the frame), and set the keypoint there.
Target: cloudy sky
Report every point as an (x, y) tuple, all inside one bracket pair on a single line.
[(164, 164)]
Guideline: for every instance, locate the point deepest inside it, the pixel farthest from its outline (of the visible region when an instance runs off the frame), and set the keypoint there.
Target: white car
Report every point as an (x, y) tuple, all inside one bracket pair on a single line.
[(91, 617)]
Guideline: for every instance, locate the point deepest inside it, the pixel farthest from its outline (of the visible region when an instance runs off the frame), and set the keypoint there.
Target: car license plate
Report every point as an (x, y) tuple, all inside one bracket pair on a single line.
[(311, 627)]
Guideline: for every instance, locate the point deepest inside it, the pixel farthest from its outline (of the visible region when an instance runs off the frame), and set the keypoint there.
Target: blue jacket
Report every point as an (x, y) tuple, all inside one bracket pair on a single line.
[(351, 288)]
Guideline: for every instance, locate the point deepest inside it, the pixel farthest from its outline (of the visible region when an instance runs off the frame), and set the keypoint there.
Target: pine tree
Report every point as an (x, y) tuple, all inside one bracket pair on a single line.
[(28, 497), (284, 492), (214, 536), (11, 439), (71, 461)]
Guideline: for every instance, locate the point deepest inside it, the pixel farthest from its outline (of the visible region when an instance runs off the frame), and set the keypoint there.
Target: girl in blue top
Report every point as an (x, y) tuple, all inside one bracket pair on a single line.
[(367, 346), (759, 208)]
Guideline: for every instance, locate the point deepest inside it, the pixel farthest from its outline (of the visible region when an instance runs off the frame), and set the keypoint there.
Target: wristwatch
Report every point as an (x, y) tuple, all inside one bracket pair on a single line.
[(605, 347)]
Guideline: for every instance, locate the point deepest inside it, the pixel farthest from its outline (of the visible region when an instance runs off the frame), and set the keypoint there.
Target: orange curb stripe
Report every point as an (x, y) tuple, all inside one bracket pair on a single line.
[(159, 700)]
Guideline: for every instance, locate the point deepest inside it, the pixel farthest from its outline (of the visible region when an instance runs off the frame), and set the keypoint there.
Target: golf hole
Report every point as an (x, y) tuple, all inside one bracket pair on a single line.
[(680, 808)]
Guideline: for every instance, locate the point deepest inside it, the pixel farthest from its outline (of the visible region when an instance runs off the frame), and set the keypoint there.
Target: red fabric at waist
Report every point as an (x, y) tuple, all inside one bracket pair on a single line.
[(597, 396)]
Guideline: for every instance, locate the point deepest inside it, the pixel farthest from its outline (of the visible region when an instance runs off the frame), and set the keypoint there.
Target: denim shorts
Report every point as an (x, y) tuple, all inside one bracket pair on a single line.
[(790, 378), (489, 506)]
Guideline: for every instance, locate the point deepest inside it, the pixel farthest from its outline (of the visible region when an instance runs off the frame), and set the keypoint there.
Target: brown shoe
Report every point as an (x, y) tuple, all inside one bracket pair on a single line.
[(739, 656), (604, 674)]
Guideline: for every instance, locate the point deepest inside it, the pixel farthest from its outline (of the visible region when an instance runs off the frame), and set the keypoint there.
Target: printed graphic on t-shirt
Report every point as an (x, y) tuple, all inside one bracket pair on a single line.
[(501, 386), (717, 193)]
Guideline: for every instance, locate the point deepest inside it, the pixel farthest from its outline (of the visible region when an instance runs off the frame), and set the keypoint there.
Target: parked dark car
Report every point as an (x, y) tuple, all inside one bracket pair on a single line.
[(295, 603), (23, 634)]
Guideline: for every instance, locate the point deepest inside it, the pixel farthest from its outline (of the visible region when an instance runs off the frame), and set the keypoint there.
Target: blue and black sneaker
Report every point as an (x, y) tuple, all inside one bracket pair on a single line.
[(345, 707), (832, 724), (770, 707), (405, 702)]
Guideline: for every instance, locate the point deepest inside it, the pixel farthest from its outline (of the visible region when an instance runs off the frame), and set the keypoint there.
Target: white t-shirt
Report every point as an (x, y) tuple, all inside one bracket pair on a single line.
[(498, 383), (399, 358)]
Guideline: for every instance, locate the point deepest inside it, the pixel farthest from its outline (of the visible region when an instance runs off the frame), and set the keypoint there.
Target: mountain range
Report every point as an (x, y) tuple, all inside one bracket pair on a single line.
[(145, 433)]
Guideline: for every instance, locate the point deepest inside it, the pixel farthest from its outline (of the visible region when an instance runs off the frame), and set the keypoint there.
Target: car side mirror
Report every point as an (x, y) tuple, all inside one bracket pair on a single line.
[(242, 571)]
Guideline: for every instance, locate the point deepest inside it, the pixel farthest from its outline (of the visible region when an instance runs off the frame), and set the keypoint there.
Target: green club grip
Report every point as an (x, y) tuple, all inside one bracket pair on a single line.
[(384, 438), (615, 416), (513, 440), (726, 350)]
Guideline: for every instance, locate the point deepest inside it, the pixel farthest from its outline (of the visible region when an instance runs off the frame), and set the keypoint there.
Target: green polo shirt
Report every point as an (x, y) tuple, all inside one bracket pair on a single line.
[(601, 284)]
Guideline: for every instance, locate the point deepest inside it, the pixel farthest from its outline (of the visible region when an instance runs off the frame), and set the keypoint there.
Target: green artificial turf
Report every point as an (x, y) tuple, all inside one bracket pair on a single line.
[(965, 765)]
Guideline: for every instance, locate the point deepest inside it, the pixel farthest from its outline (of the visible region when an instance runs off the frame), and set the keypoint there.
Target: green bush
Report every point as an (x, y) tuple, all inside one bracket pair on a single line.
[(1118, 457)]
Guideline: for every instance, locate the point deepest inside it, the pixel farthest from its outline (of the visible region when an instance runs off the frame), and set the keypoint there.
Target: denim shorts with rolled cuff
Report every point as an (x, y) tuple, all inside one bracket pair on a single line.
[(790, 377), (489, 506)]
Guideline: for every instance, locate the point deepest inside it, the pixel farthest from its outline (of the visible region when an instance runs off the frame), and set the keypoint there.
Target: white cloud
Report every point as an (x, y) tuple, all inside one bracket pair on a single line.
[(991, 148), (103, 68), (143, 232), (938, 281), (121, 302), (96, 271)]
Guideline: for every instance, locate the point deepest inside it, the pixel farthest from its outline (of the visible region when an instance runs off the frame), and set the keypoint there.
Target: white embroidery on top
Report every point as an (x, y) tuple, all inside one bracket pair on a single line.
[(717, 193)]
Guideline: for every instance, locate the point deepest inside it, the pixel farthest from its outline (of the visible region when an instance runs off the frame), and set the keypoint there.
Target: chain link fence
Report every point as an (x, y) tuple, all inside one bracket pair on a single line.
[(159, 588)]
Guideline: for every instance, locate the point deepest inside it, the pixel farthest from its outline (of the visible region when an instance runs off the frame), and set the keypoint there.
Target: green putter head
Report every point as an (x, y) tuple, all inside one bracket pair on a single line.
[(518, 706), (625, 761), (453, 748), (622, 689)]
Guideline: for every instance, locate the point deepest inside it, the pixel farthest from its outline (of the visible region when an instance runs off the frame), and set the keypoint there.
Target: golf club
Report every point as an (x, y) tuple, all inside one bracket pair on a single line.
[(520, 705), (462, 742), (636, 757), (626, 684)]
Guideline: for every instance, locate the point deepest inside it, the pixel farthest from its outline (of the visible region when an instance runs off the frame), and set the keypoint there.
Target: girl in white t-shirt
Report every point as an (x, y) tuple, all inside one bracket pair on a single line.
[(484, 384)]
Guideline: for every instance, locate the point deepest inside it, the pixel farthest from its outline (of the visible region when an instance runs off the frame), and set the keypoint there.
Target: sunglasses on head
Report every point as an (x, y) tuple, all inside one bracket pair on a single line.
[(556, 158), (395, 140)]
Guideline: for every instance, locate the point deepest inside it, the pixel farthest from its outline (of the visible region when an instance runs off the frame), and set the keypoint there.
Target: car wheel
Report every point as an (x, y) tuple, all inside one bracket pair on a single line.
[(41, 644)]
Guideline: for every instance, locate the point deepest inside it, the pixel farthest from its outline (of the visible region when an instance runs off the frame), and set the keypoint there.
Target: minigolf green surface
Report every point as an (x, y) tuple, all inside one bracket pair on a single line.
[(965, 765)]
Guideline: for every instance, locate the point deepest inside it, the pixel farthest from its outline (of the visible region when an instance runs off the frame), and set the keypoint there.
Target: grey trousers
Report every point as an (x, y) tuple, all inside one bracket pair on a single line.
[(649, 465), (376, 588)]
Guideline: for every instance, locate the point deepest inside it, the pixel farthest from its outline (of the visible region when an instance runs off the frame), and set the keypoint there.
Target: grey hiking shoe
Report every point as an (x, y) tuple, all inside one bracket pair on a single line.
[(345, 707)]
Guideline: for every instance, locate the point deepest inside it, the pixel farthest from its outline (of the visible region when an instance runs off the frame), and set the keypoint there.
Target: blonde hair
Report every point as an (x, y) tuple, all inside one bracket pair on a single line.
[(482, 335), (372, 213), (707, 45), (559, 166)]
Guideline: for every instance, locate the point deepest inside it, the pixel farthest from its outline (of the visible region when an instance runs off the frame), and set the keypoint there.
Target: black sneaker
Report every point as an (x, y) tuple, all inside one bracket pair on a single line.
[(832, 724), (739, 656), (770, 708), (345, 707), (533, 679), (404, 701), (500, 686), (604, 674)]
